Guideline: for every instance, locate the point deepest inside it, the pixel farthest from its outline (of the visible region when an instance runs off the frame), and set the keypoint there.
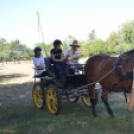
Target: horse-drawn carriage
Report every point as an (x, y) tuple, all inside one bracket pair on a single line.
[(48, 93)]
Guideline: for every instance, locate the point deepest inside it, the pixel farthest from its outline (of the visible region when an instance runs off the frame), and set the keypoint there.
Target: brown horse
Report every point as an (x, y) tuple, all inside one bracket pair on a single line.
[(97, 66)]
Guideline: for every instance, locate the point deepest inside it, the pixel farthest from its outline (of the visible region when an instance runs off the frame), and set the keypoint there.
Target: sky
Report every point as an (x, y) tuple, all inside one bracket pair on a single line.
[(60, 18)]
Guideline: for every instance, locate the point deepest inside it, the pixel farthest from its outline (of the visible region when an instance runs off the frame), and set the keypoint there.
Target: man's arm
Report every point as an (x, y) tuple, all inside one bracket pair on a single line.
[(78, 54), (76, 58)]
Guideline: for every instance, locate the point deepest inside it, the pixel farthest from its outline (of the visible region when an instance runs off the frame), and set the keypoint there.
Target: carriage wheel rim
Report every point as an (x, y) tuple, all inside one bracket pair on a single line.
[(38, 96), (86, 100), (72, 98), (51, 100)]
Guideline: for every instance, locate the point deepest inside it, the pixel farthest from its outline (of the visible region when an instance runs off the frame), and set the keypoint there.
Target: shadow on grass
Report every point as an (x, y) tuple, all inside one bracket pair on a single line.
[(6, 78), (12, 95)]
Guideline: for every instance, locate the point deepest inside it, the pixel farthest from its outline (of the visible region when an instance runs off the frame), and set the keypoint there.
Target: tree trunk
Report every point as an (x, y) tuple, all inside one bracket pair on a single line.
[(14, 60), (6, 60)]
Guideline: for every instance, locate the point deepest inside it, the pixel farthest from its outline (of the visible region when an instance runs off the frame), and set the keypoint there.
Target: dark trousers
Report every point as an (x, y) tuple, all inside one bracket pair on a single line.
[(43, 74), (59, 66)]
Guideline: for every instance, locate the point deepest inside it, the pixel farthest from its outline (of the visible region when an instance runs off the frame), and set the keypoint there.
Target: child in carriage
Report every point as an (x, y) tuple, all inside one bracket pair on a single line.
[(39, 63), (57, 58)]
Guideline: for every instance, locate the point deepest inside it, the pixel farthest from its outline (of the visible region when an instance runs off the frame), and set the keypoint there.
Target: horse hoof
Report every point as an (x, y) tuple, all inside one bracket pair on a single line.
[(95, 116)]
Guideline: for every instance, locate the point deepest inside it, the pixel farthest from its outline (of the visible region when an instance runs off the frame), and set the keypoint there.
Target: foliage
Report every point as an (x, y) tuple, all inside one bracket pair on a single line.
[(14, 49), (118, 42), (67, 42), (91, 36)]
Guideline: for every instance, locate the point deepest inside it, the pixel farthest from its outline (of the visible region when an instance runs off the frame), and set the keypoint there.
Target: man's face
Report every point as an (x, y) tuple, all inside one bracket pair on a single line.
[(74, 47)]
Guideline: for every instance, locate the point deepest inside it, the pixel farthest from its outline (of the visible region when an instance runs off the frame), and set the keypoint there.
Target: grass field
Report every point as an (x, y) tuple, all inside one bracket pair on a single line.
[(18, 114)]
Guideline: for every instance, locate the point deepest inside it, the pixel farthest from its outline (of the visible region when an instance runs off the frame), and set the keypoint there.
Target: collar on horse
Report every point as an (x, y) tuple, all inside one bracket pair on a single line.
[(119, 79)]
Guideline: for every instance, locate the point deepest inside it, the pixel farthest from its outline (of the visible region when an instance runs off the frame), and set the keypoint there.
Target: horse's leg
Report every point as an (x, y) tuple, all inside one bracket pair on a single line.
[(93, 100), (104, 98)]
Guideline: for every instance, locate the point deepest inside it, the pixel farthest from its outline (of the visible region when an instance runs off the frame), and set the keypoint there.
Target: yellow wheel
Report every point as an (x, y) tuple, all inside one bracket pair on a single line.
[(53, 99), (73, 99), (38, 95), (86, 100)]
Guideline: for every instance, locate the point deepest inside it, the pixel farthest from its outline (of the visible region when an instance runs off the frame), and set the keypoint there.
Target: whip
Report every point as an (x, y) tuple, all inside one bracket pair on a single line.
[(40, 28)]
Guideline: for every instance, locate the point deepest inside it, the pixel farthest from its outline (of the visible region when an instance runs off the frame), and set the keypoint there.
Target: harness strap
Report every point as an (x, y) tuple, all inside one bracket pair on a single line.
[(112, 88), (119, 78)]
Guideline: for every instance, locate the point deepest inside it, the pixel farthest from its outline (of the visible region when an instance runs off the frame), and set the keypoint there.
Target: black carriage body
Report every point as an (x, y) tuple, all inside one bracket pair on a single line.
[(74, 81)]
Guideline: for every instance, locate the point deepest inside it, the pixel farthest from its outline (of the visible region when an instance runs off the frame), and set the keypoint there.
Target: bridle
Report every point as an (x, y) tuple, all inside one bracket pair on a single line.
[(117, 67)]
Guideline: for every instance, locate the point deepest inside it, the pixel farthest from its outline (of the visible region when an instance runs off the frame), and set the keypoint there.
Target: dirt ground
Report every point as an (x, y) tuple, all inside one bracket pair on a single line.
[(15, 83)]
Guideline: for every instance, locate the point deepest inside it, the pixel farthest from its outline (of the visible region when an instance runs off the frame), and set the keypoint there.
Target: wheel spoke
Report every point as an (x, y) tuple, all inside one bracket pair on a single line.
[(54, 106), (51, 105), (88, 100)]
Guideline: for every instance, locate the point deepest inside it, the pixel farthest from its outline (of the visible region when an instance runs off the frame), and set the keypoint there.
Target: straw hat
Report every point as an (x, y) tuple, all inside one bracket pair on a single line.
[(75, 43)]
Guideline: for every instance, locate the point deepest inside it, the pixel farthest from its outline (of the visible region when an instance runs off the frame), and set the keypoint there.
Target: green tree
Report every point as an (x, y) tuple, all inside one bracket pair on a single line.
[(67, 41), (91, 36), (84, 48), (126, 33), (97, 46), (113, 41)]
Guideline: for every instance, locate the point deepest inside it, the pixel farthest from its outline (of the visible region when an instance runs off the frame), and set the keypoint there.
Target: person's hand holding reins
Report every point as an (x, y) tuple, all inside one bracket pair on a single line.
[(70, 58)]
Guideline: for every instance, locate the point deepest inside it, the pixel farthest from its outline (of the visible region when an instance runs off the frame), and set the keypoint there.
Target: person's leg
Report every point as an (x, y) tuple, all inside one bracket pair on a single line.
[(63, 67), (59, 67), (76, 71), (73, 67), (130, 104), (81, 68), (61, 78), (43, 74)]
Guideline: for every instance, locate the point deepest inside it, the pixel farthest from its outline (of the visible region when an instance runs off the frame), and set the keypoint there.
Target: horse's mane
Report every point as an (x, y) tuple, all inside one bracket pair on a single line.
[(130, 52)]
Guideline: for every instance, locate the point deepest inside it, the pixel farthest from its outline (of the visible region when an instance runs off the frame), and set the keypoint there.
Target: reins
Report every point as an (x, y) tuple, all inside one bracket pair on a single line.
[(117, 67)]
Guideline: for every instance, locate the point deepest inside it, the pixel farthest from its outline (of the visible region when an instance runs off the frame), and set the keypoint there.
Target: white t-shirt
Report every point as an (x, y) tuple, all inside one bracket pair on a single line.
[(39, 62), (73, 54)]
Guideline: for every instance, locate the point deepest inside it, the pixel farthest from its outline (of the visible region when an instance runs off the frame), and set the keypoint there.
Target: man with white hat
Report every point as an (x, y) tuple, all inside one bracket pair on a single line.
[(73, 56)]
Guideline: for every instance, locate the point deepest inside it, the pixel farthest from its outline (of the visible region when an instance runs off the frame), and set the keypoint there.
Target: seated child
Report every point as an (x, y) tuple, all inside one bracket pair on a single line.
[(39, 62)]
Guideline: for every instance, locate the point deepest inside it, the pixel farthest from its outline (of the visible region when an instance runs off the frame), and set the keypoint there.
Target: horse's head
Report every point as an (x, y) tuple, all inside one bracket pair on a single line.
[(129, 53), (128, 60)]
